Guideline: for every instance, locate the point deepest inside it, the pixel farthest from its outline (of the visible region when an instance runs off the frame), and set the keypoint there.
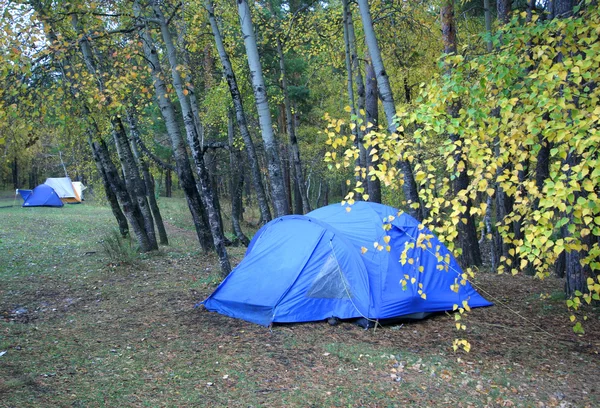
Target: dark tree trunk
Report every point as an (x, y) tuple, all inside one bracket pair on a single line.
[(467, 232), (488, 24), (294, 156), (133, 182), (575, 273), (371, 104), (407, 95), (298, 203), (285, 170), (168, 184), (563, 8), (237, 185), (318, 200), (542, 167), (503, 208), (504, 10), (148, 181), (130, 208), (110, 195)]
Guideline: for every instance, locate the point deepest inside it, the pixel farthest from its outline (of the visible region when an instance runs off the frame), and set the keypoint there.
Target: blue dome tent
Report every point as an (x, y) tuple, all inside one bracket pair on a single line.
[(325, 264), (41, 196)]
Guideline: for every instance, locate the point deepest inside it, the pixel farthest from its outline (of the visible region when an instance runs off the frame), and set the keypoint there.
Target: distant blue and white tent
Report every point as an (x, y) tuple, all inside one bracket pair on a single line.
[(339, 263), (41, 196)]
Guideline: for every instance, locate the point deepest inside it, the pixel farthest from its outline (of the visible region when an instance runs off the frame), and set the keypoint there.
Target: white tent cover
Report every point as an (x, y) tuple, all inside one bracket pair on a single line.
[(63, 186), (79, 187)]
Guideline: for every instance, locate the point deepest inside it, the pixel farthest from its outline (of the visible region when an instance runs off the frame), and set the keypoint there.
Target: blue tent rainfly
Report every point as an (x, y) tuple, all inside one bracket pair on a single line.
[(41, 196), (365, 261)]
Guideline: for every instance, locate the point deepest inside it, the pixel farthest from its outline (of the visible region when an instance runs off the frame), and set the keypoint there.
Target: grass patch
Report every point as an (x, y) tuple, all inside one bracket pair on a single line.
[(82, 330)]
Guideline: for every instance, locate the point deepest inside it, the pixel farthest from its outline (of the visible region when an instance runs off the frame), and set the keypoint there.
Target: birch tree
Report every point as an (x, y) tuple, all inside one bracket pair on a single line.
[(278, 191), (409, 185), (240, 115)]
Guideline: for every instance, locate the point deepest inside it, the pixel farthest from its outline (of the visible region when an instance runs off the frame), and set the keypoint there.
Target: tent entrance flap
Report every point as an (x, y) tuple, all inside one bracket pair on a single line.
[(330, 283)]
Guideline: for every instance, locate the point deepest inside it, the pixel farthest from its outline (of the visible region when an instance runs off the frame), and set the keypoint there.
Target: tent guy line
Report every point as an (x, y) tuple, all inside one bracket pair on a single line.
[(489, 295)]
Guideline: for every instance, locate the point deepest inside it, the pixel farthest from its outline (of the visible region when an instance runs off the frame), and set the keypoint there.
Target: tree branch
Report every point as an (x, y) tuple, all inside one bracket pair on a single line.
[(152, 156)]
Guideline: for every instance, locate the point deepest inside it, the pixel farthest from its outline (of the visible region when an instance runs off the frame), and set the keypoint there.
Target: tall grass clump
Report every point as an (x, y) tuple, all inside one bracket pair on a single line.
[(118, 248)]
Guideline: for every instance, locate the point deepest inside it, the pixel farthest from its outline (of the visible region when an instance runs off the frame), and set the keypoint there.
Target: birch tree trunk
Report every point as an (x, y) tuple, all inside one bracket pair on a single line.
[(240, 114), (280, 202), (184, 171), (360, 89), (133, 181), (385, 94), (350, 57), (194, 143)]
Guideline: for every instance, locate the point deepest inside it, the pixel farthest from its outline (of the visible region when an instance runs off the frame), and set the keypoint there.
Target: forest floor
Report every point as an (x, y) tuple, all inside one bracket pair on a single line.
[(81, 329)]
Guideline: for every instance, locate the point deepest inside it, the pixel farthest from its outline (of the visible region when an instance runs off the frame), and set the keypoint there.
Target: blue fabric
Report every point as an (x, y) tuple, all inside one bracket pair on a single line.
[(42, 196), (273, 282), (363, 225), (307, 268), (24, 193)]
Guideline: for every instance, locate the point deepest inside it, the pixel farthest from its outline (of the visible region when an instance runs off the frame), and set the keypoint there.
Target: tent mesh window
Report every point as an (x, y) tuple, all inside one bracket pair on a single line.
[(330, 283)]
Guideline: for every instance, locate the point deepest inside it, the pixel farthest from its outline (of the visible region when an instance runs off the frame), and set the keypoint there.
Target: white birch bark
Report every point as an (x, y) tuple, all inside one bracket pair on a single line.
[(280, 202)]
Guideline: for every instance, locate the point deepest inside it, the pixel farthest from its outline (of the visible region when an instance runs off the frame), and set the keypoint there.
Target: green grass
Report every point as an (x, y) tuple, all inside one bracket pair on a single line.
[(103, 333)]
